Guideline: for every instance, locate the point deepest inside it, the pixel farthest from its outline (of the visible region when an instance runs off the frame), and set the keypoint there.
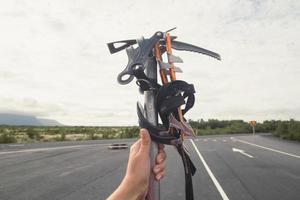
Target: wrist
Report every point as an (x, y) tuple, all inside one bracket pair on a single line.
[(131, 185), (128, 190)]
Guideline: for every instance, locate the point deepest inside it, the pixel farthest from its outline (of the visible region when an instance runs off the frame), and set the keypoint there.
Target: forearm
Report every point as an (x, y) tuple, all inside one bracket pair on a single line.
[(136, 181), (125, 191)]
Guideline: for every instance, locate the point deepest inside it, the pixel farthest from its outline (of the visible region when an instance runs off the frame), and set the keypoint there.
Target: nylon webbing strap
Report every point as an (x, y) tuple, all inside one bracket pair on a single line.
[(189, 171), (169, 98)]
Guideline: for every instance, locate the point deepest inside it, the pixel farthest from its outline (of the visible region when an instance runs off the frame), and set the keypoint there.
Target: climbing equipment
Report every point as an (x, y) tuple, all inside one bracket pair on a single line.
[(170, 96)]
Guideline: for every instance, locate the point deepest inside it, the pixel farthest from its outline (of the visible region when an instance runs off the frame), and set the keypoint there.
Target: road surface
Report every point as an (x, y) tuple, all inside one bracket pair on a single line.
[(236, 167)]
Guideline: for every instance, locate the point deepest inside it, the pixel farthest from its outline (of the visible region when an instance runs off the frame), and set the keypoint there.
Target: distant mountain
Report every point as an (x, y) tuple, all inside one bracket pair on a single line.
[(49, 122), (19, 119)]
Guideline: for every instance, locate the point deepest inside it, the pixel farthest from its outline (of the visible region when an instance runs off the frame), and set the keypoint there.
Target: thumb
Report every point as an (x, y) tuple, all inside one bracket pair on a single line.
[(145, 142)]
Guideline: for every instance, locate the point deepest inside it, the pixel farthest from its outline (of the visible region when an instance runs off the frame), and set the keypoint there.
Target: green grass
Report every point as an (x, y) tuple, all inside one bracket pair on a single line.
[(30, 134)]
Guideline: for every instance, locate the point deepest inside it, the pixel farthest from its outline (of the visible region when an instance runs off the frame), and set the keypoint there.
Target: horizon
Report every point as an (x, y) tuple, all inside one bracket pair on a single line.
[(62, 125)]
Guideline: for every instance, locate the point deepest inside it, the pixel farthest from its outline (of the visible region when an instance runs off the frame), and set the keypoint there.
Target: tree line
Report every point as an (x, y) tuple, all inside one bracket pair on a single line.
[(289, 129)]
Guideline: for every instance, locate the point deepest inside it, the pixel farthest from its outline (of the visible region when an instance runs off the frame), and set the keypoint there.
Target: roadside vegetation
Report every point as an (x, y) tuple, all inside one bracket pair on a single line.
[(30, 134), (283, 129)]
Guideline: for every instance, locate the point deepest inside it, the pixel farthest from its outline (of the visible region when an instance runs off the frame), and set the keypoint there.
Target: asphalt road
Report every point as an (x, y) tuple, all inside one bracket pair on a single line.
[(238, 167)]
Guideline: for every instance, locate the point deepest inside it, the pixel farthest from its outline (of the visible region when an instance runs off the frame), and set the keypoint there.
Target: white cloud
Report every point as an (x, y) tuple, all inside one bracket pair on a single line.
[(28, 106), (54, 52)]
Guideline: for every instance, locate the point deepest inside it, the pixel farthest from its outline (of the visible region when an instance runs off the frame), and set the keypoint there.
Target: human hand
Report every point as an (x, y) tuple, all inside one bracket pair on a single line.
[(138, 168), (136, 181)]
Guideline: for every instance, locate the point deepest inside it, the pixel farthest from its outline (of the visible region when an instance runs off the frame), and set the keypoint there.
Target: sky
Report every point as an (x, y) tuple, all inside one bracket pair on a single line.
[(54, 62)]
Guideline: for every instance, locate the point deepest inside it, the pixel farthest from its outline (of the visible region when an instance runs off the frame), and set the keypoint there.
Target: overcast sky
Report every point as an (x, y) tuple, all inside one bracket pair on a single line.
[(54, 62)]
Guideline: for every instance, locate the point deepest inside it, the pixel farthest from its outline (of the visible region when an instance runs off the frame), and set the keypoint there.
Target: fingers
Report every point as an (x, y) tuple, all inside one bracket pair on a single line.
[(143, 146), (160, 176), (161, 156), (161, 146), (159, 168), (135, 147), (159, 171), (145, 141)]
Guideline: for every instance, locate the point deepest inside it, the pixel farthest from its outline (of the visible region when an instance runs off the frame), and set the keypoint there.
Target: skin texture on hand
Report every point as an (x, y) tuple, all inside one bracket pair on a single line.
[(136, 181)]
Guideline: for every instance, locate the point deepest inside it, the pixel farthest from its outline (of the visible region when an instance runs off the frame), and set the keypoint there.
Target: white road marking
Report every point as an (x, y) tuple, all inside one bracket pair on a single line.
[(242, 152), (275, 150), (224, 140), (213, 178), (49, 149), (214, 140)]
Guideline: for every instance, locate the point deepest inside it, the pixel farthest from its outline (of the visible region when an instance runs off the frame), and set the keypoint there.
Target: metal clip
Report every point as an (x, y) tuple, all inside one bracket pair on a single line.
[(174, 59)]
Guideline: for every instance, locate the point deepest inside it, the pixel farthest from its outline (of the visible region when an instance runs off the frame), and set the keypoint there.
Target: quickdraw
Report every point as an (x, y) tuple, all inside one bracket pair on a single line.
[(170, 96)]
